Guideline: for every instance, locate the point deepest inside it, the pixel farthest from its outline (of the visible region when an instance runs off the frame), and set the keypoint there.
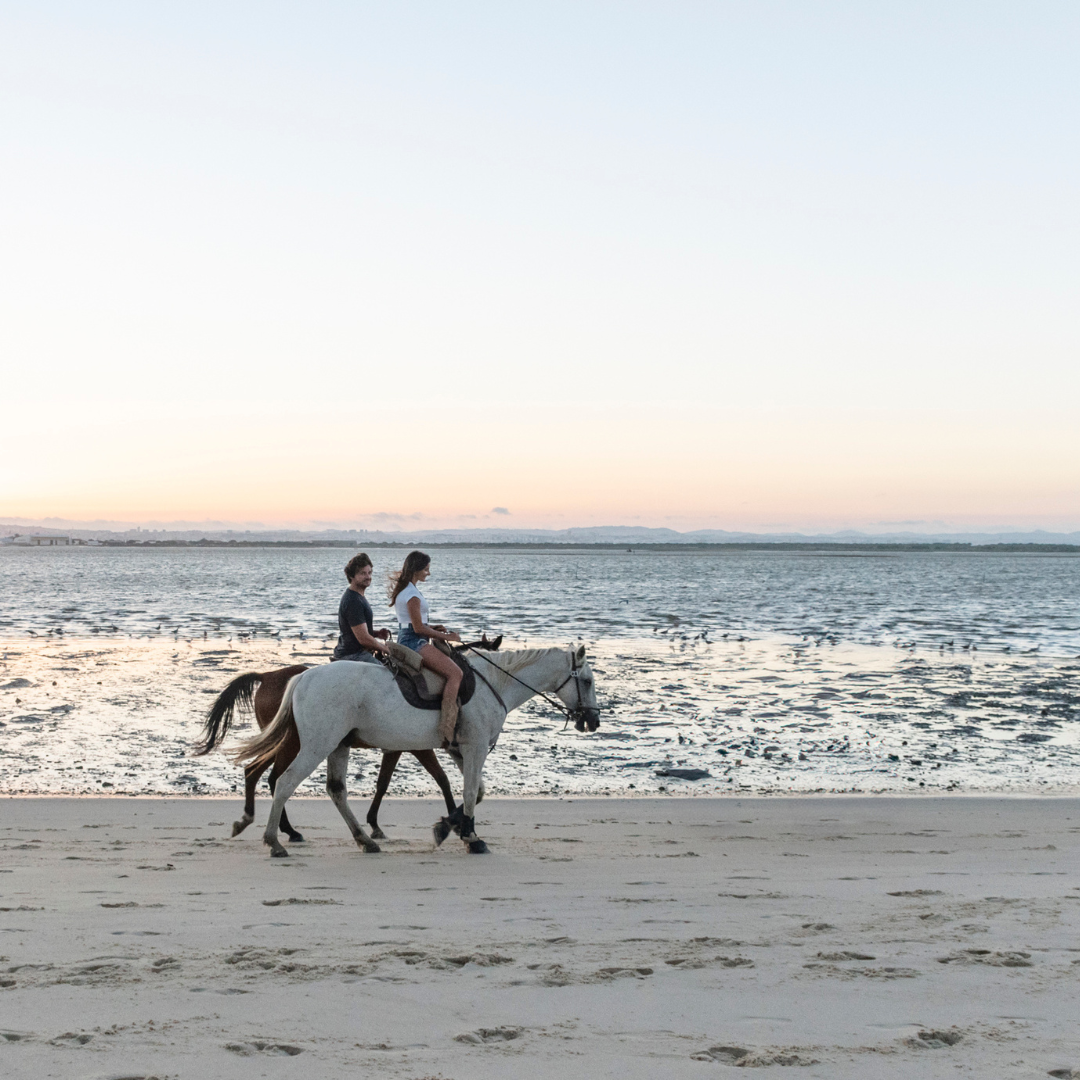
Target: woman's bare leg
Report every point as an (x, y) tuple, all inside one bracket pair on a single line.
[(441, 663)]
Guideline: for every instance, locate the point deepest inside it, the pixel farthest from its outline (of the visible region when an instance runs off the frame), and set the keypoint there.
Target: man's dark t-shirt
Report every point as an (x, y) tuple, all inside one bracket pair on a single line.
[(352, 611)]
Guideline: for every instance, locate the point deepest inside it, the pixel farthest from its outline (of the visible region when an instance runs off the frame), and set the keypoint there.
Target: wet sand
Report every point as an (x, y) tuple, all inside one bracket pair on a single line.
[(757, 716), (632, 938)]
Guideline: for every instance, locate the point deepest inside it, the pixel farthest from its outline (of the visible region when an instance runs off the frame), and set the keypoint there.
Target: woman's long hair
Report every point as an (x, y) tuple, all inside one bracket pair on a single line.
[(415, 561)]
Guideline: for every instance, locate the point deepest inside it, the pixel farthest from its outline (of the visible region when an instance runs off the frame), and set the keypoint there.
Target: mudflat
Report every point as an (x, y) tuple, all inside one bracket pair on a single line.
[(766, 717), (832, 937)]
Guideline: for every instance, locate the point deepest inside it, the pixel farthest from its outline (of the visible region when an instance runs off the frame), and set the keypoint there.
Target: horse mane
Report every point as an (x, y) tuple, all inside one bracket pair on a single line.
[(514, 660)]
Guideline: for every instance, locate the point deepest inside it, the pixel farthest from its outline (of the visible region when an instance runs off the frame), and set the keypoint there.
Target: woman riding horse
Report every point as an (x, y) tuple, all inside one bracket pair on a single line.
[(415, 633)]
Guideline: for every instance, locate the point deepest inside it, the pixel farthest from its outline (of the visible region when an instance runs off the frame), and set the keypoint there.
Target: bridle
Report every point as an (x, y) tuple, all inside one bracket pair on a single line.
[(577, 715)]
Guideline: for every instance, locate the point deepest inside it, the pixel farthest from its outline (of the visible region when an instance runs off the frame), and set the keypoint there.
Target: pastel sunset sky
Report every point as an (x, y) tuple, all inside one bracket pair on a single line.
[(755, 265)]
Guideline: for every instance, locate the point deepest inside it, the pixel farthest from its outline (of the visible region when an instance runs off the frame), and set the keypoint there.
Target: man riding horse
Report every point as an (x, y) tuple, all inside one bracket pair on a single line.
[(357, 637)]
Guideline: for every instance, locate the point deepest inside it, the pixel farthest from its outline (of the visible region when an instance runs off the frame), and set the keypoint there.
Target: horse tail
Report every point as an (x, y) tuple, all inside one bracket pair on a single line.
[(265, 746), (239, 693)]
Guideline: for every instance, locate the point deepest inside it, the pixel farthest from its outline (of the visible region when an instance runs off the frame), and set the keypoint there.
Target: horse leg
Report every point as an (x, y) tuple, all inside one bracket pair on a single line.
[(301, 767), (462, 820), (430, 762), (337, 768), (455, 754), (284, 824), (455, 814), (289, 749), (389, 764), (251, 779)]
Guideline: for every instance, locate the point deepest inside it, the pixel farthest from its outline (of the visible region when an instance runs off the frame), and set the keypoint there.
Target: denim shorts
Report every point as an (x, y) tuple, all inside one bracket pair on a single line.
[(408, 637)]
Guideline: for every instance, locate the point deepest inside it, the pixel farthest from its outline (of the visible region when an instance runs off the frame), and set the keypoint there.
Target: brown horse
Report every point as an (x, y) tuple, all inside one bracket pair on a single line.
[(265, 701)]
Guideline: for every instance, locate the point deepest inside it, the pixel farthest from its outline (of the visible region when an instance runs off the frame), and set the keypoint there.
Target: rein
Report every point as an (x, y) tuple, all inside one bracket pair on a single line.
[(574, 674), (498, 697)]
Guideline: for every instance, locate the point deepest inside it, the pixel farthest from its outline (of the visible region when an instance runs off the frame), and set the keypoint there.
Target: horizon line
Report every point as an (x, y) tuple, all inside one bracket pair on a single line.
[(216, 532)]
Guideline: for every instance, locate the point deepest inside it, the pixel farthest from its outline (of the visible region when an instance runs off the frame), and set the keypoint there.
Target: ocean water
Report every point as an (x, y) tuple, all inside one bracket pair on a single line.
[(769, 672), (929, 599)]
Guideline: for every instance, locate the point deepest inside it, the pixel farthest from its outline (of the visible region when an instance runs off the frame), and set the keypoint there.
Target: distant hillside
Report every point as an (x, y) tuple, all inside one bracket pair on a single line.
[(628, 535)]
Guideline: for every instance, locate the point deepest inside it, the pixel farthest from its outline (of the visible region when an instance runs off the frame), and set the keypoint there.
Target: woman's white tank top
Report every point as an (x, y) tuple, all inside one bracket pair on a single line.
[(401, 606)]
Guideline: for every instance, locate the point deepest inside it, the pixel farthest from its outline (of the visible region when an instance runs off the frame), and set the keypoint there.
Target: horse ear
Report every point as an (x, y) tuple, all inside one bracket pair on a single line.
[(580, 653)]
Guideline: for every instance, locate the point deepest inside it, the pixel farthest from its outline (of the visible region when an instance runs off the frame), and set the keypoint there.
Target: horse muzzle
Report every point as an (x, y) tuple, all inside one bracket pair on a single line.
[(586, 719)]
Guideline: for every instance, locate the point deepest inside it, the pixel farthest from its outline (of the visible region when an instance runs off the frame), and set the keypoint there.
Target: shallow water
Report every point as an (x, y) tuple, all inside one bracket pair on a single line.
[(770, 672), (757, 716)]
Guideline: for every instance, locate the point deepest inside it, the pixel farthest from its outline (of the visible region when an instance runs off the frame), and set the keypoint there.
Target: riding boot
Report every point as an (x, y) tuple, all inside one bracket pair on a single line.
[(448, 716)]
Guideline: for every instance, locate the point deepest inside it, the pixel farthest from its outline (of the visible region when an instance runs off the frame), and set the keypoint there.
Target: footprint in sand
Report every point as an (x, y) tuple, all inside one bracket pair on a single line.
[(259, 1046), (72, 1038), (935, 1040), (687, 963), (743, 1058), (486, 1036), (726, 1055), (552, 974), (753, 896), (988, 957), (300, 900), (622, 973)]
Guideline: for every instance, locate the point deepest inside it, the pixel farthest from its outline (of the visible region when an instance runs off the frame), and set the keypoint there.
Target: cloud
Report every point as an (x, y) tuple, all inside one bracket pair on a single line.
[(499, 510)]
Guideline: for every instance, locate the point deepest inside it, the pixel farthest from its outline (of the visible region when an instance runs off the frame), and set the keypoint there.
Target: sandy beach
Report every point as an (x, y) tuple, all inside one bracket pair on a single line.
[(842, 936)]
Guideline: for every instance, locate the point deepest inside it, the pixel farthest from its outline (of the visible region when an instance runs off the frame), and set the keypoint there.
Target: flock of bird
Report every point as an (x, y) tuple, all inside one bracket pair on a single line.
[(673, 633)]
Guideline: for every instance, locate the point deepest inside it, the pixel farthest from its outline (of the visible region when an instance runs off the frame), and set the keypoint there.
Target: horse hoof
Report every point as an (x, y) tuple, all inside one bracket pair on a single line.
[(442, 830), (279, 853), (377, 833), (296, 838), (371, 848), (478, 847), (239, 826)]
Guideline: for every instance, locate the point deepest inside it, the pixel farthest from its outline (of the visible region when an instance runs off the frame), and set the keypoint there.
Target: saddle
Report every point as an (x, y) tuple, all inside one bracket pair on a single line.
[(420, 686)]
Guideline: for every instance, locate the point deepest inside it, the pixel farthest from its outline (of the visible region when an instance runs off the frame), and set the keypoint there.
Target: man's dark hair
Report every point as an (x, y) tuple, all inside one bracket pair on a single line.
[(356, 564)]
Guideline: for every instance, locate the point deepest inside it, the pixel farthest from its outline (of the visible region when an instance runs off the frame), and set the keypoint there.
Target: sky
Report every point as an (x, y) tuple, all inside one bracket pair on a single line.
[(762, 265)]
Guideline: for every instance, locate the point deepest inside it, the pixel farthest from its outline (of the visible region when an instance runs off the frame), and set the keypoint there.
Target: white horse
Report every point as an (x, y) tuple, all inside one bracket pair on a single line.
[(334, 707)]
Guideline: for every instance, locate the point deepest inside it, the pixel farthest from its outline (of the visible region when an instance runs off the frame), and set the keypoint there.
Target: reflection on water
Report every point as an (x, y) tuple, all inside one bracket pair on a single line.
[(769, 715)]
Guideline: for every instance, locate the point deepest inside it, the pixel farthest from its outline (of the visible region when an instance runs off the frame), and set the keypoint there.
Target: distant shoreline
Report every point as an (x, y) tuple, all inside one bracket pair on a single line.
[(825, 547)]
